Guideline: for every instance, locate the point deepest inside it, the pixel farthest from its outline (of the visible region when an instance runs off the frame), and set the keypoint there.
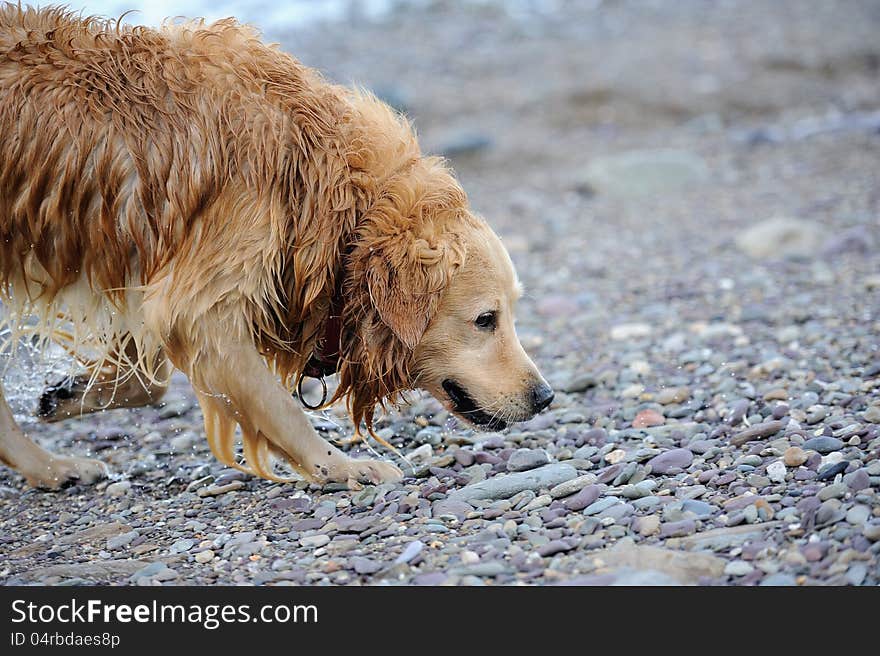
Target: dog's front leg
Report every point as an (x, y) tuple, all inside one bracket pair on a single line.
[(233, 378)]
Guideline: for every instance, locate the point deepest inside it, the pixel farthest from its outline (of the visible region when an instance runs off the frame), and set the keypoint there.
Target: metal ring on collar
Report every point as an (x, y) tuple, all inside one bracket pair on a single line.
[(302, 399)]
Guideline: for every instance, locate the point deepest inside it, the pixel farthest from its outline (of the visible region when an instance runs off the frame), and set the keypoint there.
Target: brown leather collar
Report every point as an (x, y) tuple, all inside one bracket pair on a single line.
[(325, 356)]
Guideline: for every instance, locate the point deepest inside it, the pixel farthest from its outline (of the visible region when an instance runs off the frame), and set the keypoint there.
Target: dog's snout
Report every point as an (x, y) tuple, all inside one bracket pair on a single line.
[(542, 396)]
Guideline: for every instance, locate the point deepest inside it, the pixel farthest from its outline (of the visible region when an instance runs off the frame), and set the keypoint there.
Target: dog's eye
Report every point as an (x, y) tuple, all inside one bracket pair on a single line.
[(485, 321)]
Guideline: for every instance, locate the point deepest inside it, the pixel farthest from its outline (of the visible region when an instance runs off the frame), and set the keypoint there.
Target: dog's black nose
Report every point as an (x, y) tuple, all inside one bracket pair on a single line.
[(542, 396)]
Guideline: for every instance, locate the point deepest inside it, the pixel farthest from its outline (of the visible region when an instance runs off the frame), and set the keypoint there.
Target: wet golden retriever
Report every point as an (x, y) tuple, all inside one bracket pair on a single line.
[(190, 197)]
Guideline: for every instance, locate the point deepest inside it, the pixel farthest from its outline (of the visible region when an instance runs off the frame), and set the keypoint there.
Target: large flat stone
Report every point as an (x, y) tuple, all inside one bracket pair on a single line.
[(504, 486), (684, 567), (101, 569)]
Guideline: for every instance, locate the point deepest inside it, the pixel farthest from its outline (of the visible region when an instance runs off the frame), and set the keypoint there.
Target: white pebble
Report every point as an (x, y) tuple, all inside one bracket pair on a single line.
[(640, 367), (630, 331), (738, 568), (205, 556), (776, 471), (633, 391), (118, 489), (422, 454), (469, 557), (412, 550), (615, 456)]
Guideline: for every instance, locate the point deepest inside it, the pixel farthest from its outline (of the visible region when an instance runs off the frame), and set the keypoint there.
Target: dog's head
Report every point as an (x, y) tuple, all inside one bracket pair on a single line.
[(439, 295), (469, 356)]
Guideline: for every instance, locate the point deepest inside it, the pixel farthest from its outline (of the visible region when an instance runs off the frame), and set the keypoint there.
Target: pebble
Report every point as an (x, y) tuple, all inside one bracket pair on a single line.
[(538, 502), (701, 509), (757, 432), (794, 456), (678, 529), (737, 411), (525, 459), (583, 498), (858, 480), (600, 505), (469, 557), (684, 567), (365, 566), (217, 490), (204, 557), (829, 512), (412, 550), (629, 331), (571, 487), (780, 410), (118, 489), (702, 446), (671, 460), (504, 486), (738, 568), (778, 394), (182, 546), (830, 471), (752, 460), (857, 573), (814, 551), (782, 237), (835, 491), (639, 173), (647, 525), (776, 471), (148, 571), (823, 444), (554, 547), (615, 456), (595, 437), (314, 541), (670, 395), (459, 509), (489, 568), (779, 579), (123, 540), (858, 515), (646, 503), (647, 418), (639, 490), (579, 383)]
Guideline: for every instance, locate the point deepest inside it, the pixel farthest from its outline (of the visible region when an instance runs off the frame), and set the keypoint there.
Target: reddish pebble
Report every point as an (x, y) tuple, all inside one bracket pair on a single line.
[(648, 418)]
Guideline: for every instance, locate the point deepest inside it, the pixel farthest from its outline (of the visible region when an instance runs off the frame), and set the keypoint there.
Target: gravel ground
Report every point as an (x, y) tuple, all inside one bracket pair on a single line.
[(689, 191)]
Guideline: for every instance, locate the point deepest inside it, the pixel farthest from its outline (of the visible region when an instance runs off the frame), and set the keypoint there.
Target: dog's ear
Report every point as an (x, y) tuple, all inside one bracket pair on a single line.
[(406, 277)]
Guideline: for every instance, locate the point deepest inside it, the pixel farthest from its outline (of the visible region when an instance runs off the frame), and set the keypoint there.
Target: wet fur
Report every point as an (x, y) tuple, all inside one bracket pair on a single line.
[(189, 191)]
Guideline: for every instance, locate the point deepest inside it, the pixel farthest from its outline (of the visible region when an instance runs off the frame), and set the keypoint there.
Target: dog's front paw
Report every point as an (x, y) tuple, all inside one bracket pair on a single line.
[(372, 472), (357, 473)]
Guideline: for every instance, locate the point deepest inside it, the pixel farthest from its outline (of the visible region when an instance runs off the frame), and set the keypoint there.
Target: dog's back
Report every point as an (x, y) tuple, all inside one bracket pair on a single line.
[(75, 186), (112, 138)]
